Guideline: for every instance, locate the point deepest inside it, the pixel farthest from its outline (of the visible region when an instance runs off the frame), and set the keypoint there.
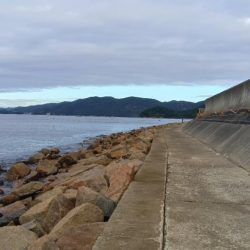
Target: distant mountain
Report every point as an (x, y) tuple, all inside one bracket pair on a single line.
[(161, 112), (101, 106)]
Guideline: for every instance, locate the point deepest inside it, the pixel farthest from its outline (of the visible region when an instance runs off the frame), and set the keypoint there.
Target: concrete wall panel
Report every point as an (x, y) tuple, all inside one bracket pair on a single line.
[(231, 140), (235, 98)]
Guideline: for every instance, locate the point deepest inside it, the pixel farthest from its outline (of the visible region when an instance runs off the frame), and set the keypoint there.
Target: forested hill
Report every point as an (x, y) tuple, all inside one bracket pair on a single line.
[(161, 112), (102, 106)]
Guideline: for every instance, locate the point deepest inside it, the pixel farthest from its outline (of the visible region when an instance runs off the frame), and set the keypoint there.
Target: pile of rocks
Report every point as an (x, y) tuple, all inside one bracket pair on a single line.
[(63, 201)]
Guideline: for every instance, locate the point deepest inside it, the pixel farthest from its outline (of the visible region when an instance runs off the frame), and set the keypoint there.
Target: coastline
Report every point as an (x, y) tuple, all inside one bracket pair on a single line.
[(7, 185), (36, 132), (92, 180)]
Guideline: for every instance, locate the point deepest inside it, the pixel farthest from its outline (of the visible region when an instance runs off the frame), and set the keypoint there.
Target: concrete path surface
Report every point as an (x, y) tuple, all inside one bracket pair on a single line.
[(186, 196)]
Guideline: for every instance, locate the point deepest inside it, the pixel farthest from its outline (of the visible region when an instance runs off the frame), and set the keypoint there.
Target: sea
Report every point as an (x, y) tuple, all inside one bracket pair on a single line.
[(23, 135)]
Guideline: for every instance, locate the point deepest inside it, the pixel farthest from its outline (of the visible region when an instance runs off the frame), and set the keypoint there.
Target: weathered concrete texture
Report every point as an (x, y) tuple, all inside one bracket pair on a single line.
[(137, 222), (231, 140), (208, 197), (185, 197), (235, 98)]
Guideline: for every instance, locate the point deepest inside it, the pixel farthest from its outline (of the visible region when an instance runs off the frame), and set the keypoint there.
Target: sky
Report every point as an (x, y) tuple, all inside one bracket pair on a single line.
[(56, 50)]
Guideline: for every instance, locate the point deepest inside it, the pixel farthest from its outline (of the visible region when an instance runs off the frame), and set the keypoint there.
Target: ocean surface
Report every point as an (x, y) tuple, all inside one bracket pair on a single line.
[(24, 135)]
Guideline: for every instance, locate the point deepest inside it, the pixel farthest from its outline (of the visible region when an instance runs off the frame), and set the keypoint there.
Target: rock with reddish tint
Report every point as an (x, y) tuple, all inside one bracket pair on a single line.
[(1, 191), (13, 211), (119, 182), (86, 213), (16, 238), (28, 189), (135, 164), (80, 237), (87, 195), (8, 199), (48, 212), (119, 151), (47, 167), (17, 171)]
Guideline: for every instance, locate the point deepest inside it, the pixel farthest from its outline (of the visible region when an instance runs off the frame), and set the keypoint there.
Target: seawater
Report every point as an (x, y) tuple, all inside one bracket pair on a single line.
[(24, 135)]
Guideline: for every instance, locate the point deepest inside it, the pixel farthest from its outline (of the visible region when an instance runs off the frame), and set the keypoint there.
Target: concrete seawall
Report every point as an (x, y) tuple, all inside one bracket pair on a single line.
[(231, 140), (238, 97), (185, 196)]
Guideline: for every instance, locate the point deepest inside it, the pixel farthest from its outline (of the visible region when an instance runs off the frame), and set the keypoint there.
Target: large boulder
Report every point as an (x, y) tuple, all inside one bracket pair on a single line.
[(13, 211), (139, 144), (51, 193), (80, 237), (87, 195), (66, 161), (17, 171), (44, 243), (47, 167), (32, 176), (16, 238), (136, 154), (36, 158), (28, 189), (119, 151), (35, 227), (48, 212), (93, 179), (79, 168), (86, 213), (8, 199), (119, 182), (101, 159), (50, 153), (134, 164), (77, 155), (71, 195)]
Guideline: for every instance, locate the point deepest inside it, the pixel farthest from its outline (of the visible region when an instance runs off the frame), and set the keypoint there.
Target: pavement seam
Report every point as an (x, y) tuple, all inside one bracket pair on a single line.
[(164, 226), (216, 203)]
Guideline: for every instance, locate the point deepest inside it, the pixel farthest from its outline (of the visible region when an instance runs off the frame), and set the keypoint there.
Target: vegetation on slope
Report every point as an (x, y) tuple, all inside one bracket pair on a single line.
[(161, 112)]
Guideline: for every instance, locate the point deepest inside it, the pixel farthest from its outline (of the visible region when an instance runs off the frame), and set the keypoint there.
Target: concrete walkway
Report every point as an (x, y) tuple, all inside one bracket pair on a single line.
[(208, 198), (186, 196)]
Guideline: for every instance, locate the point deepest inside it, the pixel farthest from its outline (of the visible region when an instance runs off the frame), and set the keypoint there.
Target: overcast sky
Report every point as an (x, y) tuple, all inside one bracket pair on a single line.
[(118, 45)]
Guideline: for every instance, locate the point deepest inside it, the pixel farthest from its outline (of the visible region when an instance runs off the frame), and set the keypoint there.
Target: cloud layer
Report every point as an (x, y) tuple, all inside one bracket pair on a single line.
[(101, 42)]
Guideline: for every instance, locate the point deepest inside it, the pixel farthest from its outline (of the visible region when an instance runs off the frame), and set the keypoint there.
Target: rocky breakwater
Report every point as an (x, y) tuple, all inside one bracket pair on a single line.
[(63, 201)]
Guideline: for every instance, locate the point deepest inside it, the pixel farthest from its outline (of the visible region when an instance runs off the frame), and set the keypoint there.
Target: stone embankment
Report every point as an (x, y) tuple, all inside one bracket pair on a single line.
[(64, 201)]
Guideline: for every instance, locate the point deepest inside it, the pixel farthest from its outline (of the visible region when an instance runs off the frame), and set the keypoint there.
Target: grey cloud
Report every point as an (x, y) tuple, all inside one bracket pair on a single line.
[(83, 42)]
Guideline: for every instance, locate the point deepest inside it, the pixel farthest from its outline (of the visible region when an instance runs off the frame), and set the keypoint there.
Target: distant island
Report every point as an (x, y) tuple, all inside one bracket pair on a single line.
[(109, 106)]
